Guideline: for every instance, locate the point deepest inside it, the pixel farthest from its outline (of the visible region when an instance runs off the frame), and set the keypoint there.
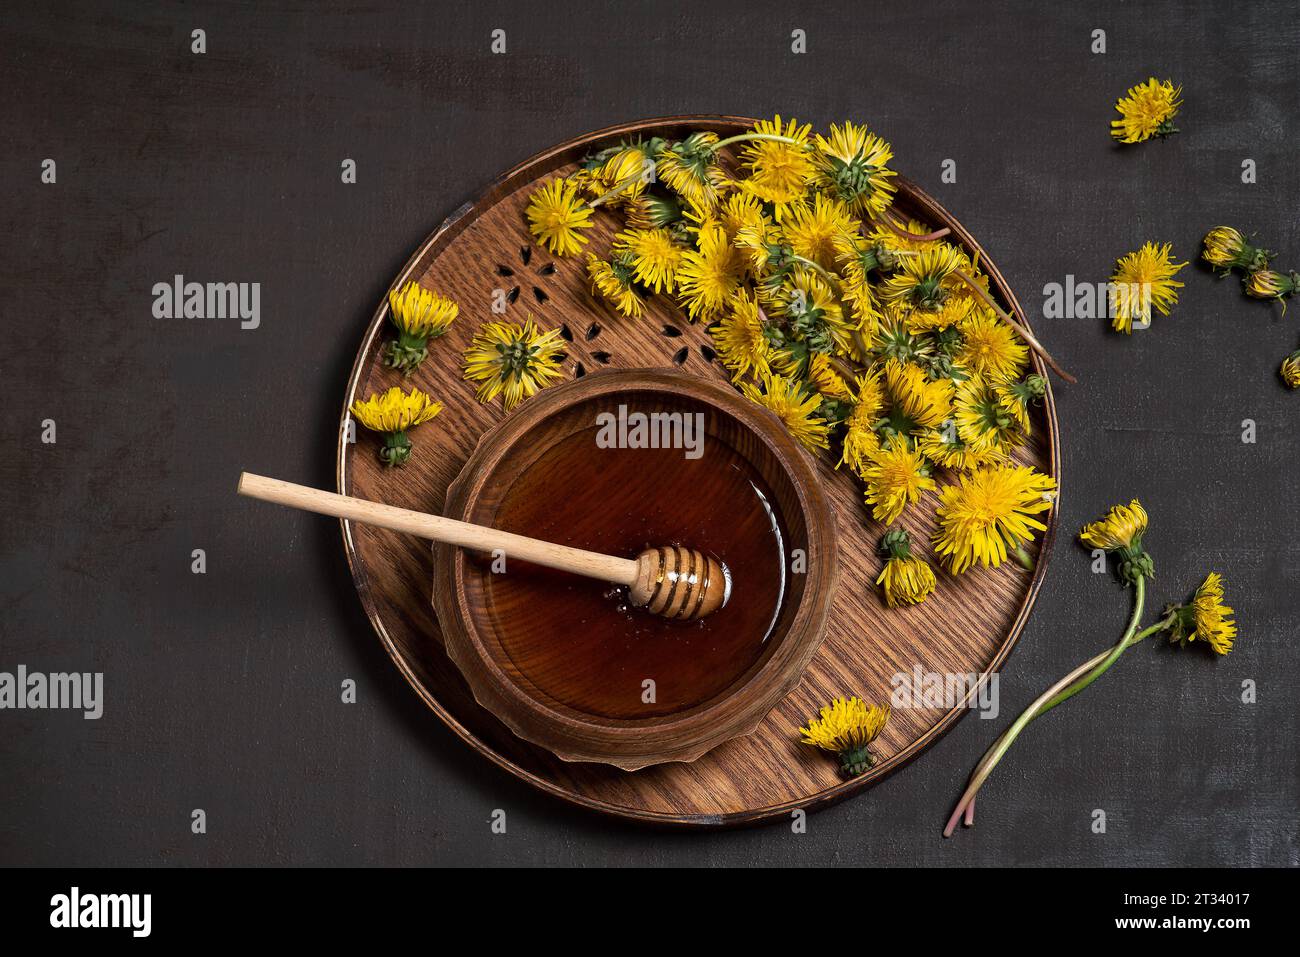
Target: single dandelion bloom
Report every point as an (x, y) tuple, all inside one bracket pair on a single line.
[(1226, 249), (815, 318), (649, 211), (741, 340), (988, 512), (1205, 617), (779, 172), (419, 315), (709, 275), (1119, 528), (626, 175), (1016, 397), (1290, 370), (612, 279), (1269, 284), (811, 231), (1143, 280), (655, 256), (954, 311), (895, 475), (1148, 110), (847, 727), (860, 437), (991, 348), (982, 422), (905, 580), (853, 166), (944, 448), (557, 217), (864, 312), (513, 360), (926, 280), (859, 258), (1120, 531), (689, 168), (924, 401), (394, 413), (826, 379), (796, 408)]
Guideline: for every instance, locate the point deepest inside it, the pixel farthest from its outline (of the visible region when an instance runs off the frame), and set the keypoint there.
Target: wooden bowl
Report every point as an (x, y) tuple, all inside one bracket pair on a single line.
[(488, 617)]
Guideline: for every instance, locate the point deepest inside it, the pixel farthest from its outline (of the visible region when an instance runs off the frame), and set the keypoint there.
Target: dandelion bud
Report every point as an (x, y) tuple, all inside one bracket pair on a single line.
[(1291, 370), (1270, 284), (1226, 248)]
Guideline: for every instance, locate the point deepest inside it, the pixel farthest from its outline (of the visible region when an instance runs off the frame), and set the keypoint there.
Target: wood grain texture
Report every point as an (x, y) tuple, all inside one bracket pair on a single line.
[(968, 626)]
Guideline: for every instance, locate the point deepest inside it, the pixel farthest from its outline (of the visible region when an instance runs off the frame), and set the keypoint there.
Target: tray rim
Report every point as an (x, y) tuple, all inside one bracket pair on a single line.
[(444, 233)]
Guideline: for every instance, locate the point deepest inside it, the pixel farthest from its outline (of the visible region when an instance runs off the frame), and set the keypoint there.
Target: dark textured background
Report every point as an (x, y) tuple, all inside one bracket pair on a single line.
[(222, 691)]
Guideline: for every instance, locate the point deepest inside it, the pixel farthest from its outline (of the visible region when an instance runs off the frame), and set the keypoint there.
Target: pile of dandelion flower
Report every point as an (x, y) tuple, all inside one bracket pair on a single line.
[(872, 336), (393, 414)]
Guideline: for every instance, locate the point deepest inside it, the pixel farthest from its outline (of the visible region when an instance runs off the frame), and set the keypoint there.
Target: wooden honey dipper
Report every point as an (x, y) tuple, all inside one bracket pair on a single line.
[(676, 582)]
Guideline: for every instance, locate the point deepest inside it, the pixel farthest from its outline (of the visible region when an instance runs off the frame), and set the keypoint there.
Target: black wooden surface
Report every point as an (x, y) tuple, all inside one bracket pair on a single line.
[(223, 690)]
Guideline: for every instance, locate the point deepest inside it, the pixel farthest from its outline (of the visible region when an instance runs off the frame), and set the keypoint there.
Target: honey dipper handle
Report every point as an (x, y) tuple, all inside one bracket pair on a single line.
[(476, 537)]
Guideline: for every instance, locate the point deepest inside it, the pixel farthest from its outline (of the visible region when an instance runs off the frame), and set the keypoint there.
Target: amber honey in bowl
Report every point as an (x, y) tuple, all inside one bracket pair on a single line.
[(575, 641)]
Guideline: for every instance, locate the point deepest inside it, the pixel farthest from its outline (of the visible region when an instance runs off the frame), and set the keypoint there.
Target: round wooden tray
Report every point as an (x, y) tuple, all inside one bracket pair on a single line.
[(967, 626)]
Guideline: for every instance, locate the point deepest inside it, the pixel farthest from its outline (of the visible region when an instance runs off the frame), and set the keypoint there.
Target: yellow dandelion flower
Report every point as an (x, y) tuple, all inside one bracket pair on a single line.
[(860, 437), (419, 315), (557, 217), (905, 580), (945, 448), (741, 211), (926, 280), (779, 172), (991, 348), (627, 172), (811, 231), (651, 212), (853, 166), (1148, 110), (847, 727), (797, 409), (987, 512), (1226, 249), (689, 169), (394, 414), (925, 402), (1016, 397), (709, 275), (895, 476), (1122, 526), (1290, 370), (1205, 617), (612, 280), (826, 379), (982, 422), (655, 256), (740, 340), (513, 360), (807, 301), (1143, 280), (865, 311), (954, 311)]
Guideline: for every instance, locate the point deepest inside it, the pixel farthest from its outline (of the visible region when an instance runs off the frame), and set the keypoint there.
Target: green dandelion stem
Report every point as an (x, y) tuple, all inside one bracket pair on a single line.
[(630, 181), (773, 137), (1089, 670)]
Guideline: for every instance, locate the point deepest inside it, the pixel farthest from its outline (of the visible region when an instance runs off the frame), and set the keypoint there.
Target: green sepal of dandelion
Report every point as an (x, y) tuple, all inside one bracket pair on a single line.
[(406, 352), (396, 449), (895, 543), (1134, 562), (856, 761)]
